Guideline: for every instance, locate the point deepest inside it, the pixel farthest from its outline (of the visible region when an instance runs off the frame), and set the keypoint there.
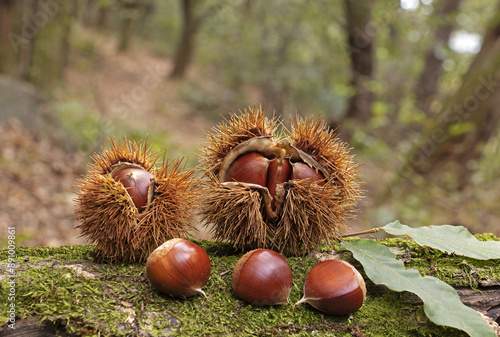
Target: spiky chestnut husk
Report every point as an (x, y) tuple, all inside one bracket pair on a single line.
[(108, 216), (294, 216)]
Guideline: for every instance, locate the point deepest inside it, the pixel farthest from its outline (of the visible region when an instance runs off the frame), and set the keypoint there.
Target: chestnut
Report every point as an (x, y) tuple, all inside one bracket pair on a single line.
[(304, 171), (137, 182), (262, 277), (249, 168), (179, 268), (279, 172), (254, 168), (334, 287)]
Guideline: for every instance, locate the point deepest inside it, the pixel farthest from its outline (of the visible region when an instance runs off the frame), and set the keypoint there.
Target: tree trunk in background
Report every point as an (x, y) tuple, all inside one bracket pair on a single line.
[(129, 7), (360, 47), (28, 51), (428, 82), (6, 52), (89, 12), (103, 16), (148, 9), (274, 92), (68, 12), (466, 121), (185, 45)]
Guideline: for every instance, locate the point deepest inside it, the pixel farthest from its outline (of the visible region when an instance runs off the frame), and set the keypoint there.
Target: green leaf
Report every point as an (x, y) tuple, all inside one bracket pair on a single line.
[(441, 302), (450, 239)]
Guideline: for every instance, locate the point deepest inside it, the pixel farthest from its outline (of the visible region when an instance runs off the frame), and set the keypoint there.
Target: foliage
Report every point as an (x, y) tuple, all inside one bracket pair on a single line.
[(441, 302), (449, 239)]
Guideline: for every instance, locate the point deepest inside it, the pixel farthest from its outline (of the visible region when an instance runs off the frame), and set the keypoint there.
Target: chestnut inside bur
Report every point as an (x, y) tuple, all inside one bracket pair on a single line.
[(137, 182), (267, 185), (255, 168), (262, 277), (334, 287)]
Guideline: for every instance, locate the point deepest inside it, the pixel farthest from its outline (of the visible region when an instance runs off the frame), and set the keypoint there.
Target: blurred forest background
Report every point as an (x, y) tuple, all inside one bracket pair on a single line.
[(412, 85)]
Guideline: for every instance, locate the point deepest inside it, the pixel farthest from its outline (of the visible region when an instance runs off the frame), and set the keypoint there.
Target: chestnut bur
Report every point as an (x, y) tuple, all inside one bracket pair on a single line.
[(267, 185), (127, 203)]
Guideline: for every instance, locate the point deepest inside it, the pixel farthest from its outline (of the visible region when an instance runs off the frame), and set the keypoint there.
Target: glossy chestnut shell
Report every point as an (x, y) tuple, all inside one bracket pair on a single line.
[(262, 277), (334, 287), (137, 181), (179, 268), (255, 168)]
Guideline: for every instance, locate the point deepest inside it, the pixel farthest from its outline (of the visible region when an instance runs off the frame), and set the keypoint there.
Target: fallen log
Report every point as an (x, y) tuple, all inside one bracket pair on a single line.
[(62, 291)]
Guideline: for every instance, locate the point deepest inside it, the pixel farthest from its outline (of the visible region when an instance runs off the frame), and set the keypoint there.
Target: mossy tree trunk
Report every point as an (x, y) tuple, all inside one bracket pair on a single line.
[(62, 290)]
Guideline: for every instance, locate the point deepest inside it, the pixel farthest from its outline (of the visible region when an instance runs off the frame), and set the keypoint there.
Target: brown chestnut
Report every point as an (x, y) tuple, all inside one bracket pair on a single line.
[(279, 172), (304, 171), (262, 277), (249, 168), (254, 168), (137, 182), (334, 287), (179, 268)]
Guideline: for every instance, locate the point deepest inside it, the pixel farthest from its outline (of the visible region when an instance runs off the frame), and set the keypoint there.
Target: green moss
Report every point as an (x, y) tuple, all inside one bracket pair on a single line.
[(120, 300), (68, 253), (486, 237), (454, 270)]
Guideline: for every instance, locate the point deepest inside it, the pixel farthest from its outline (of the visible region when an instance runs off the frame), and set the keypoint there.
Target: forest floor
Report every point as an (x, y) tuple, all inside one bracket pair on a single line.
[(106, 93)]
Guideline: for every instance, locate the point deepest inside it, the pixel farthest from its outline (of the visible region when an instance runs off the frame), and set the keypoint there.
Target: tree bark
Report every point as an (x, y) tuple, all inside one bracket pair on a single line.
[(427, 84), (360, 47), (6, 53), (105, 12), (191, 22), (185, 46), (28, 51), (89, 13), (67, 15), (127, 24), (466, 121), (274, 92)]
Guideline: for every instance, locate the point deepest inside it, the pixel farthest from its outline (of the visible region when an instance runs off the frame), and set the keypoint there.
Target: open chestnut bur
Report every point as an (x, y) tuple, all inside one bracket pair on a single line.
[(270, 187), (127, 206)]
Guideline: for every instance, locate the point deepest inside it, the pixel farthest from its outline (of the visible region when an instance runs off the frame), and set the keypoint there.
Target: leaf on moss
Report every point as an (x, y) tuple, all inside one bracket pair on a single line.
[(450, 239), (441, 302)]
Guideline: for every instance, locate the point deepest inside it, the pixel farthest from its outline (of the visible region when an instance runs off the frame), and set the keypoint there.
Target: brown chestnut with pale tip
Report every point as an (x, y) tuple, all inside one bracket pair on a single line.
[(137, 182), (179, 268), (262, 277), (334, 287)]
